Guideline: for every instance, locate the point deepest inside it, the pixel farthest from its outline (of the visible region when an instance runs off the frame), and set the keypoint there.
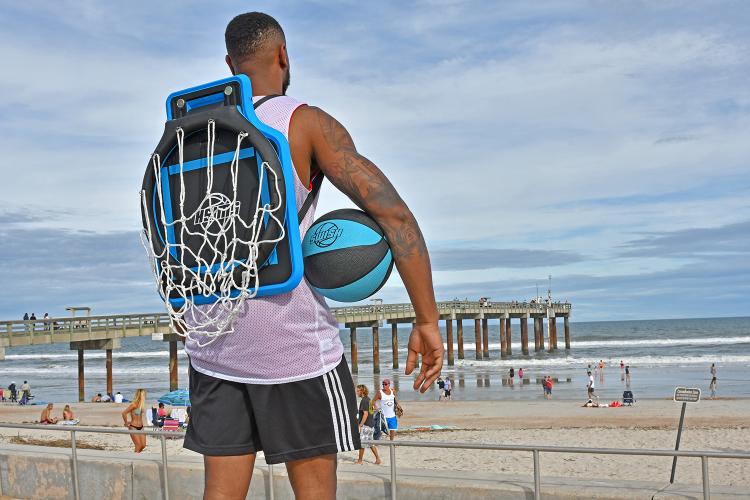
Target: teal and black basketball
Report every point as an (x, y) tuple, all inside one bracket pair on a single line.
[(346, 255)]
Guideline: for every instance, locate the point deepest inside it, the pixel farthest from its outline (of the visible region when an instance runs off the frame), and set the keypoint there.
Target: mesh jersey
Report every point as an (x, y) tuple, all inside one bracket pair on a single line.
[(281, 338)]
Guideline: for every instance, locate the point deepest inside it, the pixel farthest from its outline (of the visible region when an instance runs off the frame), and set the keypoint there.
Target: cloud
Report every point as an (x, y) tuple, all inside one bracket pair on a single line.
[(731, 239), (46, 270), (611, 131), (459, 259)]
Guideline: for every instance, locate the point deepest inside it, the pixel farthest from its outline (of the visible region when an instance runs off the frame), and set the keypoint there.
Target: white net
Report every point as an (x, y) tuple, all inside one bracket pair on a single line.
[(223, 266)]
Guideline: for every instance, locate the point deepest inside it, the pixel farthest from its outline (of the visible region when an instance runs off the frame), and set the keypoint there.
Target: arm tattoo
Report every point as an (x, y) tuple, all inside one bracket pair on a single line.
[(369, 188)]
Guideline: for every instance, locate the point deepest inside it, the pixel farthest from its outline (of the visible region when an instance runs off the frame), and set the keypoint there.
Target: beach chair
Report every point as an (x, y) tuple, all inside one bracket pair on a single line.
[(627, 398), (171, 424)]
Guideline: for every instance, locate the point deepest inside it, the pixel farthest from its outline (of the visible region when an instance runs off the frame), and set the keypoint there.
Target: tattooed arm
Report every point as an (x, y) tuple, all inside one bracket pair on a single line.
[(332, 151)]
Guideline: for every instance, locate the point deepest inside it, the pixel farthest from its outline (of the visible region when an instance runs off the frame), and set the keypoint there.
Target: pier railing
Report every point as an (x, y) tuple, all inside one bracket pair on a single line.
[(72, 328), (535, 450)]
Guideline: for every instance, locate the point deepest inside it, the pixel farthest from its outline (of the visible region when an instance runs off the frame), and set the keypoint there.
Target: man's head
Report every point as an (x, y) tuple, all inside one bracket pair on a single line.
[(256, 46), (49, 406)]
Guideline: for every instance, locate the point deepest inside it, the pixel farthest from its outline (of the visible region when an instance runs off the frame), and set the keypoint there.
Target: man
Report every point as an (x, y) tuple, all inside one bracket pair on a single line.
[(448, 388), (285, 352), (46, 417), (441, 388), (118, 397), (26, 389), (366, 424), (590, 387), (385, 400)]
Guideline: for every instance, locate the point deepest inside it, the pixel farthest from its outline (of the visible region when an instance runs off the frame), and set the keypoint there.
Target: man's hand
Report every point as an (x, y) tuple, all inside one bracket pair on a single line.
[(425, 339)]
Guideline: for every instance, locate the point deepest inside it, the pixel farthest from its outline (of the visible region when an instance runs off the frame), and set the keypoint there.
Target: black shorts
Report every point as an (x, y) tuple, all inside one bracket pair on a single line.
[(287, 421)]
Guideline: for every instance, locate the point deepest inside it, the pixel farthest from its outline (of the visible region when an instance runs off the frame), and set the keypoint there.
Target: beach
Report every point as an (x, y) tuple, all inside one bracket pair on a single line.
[(720, 425)]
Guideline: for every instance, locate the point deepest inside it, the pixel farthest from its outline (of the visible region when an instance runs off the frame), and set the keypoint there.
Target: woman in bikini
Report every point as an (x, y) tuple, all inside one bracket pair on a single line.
[(68, 413), (135, 412)]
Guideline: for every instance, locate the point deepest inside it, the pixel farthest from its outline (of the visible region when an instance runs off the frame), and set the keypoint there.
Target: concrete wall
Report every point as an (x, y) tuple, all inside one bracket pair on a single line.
[(40, 473)]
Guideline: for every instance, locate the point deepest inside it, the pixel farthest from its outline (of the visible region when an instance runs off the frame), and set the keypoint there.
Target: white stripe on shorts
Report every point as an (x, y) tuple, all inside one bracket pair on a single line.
[(348, 425), (334, 418)]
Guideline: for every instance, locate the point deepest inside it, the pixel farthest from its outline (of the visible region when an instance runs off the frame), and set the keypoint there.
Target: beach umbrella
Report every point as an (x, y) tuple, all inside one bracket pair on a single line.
[(180, 397)]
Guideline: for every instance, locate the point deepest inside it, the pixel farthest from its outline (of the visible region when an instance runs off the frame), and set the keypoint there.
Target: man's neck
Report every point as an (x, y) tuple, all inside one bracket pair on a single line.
[(263, 85)]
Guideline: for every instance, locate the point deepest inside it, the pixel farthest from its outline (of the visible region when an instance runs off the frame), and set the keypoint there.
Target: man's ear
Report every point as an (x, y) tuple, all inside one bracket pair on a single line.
[(283, 56), (229, 63)]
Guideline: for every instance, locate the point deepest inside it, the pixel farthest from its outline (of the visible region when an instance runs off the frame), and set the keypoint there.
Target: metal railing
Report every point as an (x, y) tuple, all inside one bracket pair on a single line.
[(534, 450)]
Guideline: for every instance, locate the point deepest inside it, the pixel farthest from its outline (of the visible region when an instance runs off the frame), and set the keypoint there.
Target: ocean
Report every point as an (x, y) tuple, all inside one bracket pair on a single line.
[(662, 354)]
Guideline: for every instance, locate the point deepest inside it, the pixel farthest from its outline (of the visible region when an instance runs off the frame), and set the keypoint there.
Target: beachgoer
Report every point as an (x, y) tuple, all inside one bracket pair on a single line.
[(97, 398), (601, 370), (627, 375), (622, 371), (520, 374), (2, 394), (46, 417), (26, 389), (118, 397), (549, 387), (285, 351), (135, 413), (25, 316), (712, 387), (713, 369), (448, 388), (441, 388), (68, 413), (387, 404), (590, 388), (511, 375), (365, 424), (13, 392), (106, 399)]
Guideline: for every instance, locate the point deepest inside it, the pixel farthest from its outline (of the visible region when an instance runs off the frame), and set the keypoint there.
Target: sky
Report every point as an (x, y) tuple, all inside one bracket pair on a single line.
[(602, 143)]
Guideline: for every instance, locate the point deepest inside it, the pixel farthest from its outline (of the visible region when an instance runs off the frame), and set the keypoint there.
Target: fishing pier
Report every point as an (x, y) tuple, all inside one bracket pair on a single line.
[(86, 333)]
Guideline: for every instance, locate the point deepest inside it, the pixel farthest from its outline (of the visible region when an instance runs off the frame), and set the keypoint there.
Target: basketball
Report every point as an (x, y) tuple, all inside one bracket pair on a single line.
[(346, 255)]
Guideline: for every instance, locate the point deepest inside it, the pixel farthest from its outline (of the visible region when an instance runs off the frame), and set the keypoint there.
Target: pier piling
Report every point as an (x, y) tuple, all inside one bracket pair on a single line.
[(449, 340), (538, 334), (554, 332), (460, 333), (353, 343), (524, 335), (503, 339), (173, 381), (477, 339), (81, 389), (566, 322), (394, 343), (109, 371), (485, 339), (508, 336), (376, 349)]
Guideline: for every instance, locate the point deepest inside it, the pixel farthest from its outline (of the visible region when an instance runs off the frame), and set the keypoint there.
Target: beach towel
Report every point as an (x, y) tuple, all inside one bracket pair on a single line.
[(69, 422)]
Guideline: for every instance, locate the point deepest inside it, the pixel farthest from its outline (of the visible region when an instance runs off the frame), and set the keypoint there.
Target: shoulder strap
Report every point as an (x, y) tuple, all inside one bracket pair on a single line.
[(316, 182), (260, 101)]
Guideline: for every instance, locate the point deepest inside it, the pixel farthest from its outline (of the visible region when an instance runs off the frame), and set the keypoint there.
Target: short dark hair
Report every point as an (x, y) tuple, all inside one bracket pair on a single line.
[(247, 33)]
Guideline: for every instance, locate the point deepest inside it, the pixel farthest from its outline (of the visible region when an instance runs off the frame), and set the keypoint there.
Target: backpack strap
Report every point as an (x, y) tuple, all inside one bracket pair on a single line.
[(260, 101), (315, 182)]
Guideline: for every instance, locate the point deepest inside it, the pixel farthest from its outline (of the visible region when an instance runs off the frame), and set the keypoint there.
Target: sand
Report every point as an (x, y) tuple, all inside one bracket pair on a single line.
[(720, 425)]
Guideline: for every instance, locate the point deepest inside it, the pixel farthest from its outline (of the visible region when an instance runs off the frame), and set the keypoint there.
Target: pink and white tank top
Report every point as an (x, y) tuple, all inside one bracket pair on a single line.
[(281, 338)]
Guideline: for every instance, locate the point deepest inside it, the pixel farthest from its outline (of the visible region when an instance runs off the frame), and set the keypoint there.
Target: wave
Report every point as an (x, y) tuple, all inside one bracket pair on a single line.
[(93, 355), (612, 364)]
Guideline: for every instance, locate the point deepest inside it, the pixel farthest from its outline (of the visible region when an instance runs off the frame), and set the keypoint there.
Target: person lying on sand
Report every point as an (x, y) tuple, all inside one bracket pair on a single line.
[(46, 417)]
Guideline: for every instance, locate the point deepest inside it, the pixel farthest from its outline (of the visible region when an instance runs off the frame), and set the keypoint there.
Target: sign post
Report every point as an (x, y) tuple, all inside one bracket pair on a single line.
[(683, 395)]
